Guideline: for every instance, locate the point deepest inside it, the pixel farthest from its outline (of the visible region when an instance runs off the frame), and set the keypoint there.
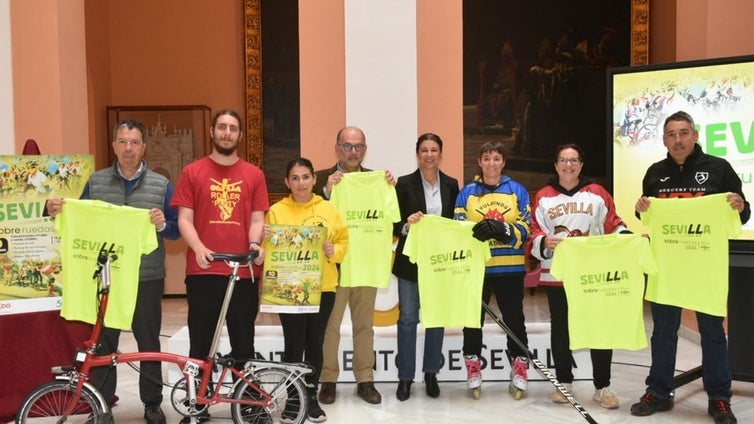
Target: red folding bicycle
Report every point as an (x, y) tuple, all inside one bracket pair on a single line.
[(262, 391)]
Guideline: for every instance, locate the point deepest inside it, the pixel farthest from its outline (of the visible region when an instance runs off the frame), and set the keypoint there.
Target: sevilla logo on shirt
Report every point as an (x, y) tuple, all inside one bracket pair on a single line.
[(701, 177)]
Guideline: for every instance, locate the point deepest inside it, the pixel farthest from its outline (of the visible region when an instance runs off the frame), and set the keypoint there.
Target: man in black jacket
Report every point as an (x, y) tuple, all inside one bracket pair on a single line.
[(688, 172)]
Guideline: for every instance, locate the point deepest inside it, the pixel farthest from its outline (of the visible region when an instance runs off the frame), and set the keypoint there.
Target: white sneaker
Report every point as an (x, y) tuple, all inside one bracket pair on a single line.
[(607, 398), (558, 397)]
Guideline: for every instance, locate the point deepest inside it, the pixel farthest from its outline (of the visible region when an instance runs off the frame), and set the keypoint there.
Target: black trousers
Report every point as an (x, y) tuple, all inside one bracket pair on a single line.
[(205, 294), (146, 325), (560, 342), (509, 293), (304, 335)]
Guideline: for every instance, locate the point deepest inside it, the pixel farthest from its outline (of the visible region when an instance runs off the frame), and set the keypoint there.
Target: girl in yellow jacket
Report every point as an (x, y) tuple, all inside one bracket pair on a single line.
[(304, 333)]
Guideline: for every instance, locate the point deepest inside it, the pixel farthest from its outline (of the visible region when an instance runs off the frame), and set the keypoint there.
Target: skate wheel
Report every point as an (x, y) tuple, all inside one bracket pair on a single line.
[(476, 392), (515, 393)]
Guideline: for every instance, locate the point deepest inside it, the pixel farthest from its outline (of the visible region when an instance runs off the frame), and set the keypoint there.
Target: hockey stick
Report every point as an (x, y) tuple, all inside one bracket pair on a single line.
[(539, 365)]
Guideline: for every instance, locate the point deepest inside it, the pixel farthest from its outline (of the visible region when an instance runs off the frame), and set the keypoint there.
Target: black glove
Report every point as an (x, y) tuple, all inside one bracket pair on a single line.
[(490, 228)]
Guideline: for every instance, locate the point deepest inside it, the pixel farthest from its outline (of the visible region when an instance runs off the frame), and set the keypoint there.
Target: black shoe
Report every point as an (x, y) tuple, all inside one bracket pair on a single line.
[(649, 404), (154, 415), (367, 392), (404, 390), (327, 393), (430, 384), (288, 416), (314, 412), (203, 417), (721, 412)]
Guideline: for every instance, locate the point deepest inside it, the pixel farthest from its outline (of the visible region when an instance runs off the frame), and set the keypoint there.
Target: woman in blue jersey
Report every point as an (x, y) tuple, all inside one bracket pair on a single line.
[(501, 208), (424, 191), (591, 211)]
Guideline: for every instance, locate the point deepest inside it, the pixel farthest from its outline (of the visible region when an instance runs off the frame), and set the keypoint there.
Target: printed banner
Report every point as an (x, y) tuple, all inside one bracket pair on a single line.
[(29, 250), (292, 275), (719, 97)]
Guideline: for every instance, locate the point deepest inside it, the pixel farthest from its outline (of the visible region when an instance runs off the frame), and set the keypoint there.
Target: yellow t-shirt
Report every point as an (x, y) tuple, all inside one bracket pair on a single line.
[(690, 245), (451, 267), (84, 227), (369, 206), (603, 277)]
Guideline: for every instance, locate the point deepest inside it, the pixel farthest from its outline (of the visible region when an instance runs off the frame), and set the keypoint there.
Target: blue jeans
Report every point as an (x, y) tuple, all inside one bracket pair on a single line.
[(408, 300), (716, 372)]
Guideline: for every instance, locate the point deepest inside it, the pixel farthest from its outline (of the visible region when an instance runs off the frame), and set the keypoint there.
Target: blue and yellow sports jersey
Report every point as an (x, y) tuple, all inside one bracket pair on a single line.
[(508, 202)]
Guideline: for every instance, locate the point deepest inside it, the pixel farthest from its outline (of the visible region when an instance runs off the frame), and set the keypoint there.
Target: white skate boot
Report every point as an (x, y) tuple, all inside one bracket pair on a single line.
[(473, 374), (519, 377)]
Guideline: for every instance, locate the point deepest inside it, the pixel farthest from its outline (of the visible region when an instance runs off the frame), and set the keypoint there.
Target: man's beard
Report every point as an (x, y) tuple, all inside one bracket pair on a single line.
[(225, 151)]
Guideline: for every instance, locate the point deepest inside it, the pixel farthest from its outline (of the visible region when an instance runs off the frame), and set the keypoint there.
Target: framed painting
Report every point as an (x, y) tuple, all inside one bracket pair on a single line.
[(513, 41), (176, 135), (535, 78)]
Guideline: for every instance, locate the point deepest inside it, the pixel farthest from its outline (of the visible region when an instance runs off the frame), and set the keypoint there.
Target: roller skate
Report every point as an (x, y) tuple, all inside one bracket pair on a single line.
[(519, 377), (473, 374)]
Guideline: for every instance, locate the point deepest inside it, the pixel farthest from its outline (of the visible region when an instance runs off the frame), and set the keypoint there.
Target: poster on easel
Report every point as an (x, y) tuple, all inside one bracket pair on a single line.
[(30, 277), (292, 275)]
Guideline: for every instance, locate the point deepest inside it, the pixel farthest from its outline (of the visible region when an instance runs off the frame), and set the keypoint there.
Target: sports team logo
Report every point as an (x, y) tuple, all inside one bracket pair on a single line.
[(701, 177)]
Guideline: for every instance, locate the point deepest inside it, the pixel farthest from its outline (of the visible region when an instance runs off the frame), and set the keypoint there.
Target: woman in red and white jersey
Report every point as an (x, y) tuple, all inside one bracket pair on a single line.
[(571, 206)]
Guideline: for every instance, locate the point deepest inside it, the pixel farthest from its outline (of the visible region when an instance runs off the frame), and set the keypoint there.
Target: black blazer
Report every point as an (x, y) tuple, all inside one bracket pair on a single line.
[(410, 192)]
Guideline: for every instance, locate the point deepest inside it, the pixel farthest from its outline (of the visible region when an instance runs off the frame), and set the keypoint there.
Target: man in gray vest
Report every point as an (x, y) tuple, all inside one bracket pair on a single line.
[(129, 182)]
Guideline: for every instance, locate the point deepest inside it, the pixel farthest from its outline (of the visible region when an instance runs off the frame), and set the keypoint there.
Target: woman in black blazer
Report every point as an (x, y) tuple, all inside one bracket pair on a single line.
[(425, 191)]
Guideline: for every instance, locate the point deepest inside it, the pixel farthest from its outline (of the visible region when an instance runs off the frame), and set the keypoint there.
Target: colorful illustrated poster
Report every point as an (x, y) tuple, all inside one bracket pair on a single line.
[(721, 100), (292, 275), (30, 277)]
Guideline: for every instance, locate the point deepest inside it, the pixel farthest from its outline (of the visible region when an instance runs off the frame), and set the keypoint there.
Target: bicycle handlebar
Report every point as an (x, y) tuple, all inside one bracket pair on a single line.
[(235, 257)]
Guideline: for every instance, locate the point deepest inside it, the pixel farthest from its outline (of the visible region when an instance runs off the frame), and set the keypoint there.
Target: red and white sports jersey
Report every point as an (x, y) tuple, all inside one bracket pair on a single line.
[(585, 210)]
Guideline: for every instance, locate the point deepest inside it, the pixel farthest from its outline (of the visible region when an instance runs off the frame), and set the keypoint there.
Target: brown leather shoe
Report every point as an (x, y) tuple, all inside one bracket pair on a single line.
[(327, 393), (367, 392)]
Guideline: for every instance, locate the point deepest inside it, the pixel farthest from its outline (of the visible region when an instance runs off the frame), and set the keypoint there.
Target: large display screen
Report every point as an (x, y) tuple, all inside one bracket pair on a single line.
[(717, 93)]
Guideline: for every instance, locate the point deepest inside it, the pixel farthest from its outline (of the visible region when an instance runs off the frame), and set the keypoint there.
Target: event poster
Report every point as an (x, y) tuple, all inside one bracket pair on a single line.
[(718, 97), (29, 250), (292, 276)]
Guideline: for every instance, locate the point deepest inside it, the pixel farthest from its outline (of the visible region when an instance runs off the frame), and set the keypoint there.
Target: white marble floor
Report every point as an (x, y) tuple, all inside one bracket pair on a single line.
[(455, 404)]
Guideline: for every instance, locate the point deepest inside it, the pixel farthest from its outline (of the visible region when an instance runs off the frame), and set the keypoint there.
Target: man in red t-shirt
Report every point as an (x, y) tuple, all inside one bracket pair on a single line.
[(221, 201)]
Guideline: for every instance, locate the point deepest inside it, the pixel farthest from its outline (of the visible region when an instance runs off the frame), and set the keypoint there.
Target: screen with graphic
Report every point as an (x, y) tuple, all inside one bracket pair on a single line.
[(717, 93)]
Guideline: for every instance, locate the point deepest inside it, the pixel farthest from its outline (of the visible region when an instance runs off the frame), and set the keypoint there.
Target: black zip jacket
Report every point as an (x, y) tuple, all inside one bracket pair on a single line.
[(701, 174)]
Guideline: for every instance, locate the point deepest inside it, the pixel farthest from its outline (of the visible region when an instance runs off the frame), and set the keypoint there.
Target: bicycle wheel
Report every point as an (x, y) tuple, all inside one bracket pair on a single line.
[(289, 402), (46, 404)]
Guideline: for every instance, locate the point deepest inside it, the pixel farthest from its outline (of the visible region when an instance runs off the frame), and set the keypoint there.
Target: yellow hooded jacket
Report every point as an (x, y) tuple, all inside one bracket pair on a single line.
[(316, 212)]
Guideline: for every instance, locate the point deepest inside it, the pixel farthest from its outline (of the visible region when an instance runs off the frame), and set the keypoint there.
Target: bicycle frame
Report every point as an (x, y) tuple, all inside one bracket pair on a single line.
[(87, 359)]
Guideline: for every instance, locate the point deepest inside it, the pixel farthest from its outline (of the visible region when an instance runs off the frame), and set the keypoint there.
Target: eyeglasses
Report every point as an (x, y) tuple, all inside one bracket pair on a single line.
[(350, 147), (569, 161)]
